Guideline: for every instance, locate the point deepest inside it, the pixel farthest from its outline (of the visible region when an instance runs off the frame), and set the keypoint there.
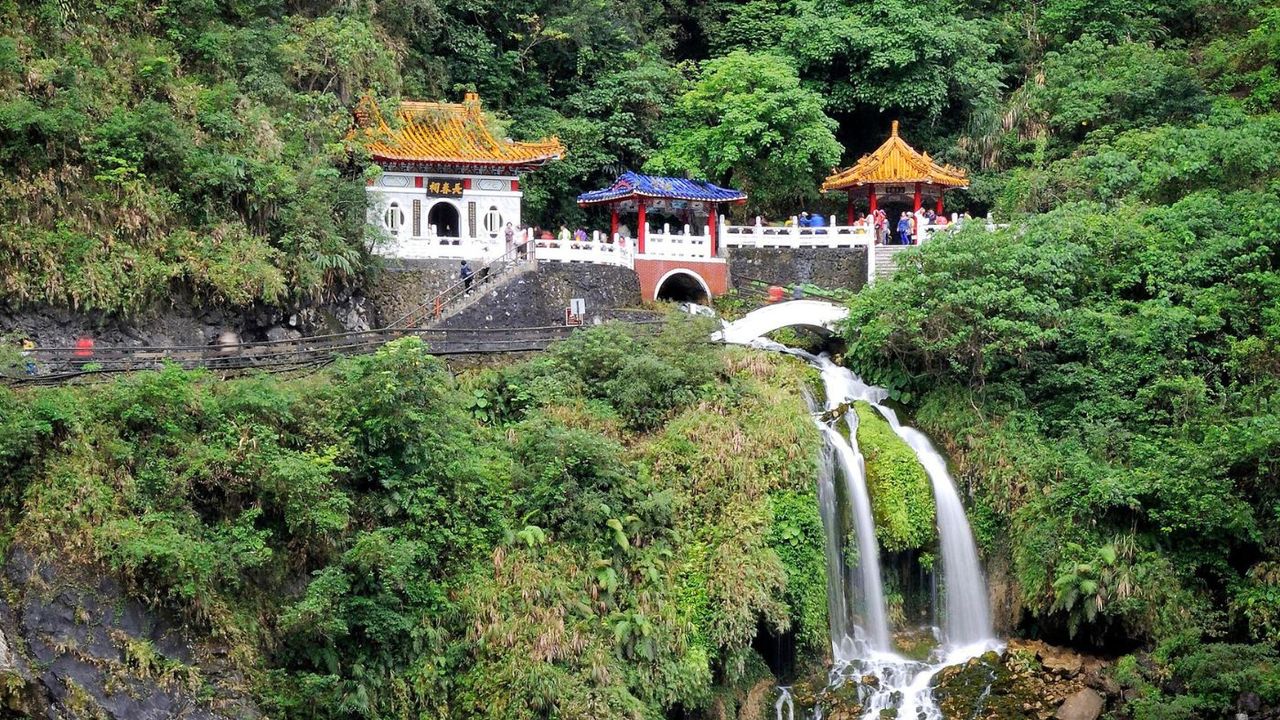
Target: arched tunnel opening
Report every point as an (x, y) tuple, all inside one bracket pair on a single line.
[(683, 287)]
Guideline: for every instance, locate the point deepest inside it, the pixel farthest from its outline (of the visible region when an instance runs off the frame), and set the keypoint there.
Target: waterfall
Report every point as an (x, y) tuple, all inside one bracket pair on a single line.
[(863, 648), (784, 705), (966, 612), (839, 611)]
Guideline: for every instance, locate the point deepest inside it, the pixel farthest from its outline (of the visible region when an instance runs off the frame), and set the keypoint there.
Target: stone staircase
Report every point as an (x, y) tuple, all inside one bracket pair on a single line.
[(455, 298), (886, 259)]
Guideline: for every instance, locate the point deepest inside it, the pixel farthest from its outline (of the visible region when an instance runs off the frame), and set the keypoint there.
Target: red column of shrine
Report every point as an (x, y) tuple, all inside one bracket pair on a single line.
[(939, 208), (642, 224), (713, 227), (919, 200), (871, 194), (613, 221)]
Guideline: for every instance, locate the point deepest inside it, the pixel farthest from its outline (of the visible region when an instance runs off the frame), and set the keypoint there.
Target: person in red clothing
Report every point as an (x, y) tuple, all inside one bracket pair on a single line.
[(83, 352), (775, 293)]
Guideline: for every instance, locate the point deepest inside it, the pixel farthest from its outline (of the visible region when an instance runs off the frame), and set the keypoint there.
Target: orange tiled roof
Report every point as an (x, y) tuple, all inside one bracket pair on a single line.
[(449, 133), (896, 162)]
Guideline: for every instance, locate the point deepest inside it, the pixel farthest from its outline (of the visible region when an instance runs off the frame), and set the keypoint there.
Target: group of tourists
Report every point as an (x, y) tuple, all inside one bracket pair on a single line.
[(815, 220), (907, 229)]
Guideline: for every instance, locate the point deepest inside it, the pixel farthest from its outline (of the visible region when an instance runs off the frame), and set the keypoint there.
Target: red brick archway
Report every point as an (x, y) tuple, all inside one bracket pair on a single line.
[(712, 275)]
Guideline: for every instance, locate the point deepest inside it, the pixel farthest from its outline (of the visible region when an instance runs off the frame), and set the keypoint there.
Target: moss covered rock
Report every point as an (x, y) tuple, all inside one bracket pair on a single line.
[(901, 498), (1027, 681)]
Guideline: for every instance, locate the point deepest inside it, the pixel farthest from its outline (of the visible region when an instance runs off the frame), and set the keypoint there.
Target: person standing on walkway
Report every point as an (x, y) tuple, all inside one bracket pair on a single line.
[(904, 229), (28, 351), (465, 273), (509, 232)]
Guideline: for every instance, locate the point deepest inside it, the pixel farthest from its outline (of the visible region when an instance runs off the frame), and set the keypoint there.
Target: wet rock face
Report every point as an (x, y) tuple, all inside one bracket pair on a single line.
[(76, 647), (1029, 680)]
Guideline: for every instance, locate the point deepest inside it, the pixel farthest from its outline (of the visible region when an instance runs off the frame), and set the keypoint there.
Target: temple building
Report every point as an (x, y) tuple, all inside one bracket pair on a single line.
[(897, 173), (448, 186)]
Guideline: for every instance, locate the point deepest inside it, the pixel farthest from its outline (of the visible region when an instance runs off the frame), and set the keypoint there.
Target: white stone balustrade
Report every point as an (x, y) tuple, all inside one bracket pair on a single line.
[(679, 244), (597, 250), (432, 247), (793, 236)]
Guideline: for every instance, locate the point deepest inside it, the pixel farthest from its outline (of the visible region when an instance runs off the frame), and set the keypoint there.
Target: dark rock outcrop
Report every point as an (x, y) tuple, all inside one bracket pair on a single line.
[(186, 323), (75, 646), (1030, 680)]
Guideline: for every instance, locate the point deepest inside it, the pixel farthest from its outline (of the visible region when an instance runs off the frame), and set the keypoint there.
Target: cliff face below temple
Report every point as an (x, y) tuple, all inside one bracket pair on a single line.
[(74, 644)]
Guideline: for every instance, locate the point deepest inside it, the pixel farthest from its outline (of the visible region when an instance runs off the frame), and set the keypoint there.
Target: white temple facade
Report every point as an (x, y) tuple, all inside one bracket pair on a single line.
[(448, 188)]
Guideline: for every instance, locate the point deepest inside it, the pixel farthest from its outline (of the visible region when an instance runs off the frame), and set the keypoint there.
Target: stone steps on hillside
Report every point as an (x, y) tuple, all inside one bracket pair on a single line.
[(483, 289), (886, 259)]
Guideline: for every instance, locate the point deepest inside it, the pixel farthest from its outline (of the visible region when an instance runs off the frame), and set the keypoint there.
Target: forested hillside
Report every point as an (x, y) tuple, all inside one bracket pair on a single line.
[(197, 146), (382, 541)]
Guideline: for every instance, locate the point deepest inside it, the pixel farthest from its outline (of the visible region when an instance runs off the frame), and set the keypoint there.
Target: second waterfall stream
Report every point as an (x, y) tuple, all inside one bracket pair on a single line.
[(860, 631)]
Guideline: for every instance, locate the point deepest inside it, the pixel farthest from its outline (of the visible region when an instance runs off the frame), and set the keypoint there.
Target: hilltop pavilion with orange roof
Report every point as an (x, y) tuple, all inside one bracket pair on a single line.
[(896, 171), (449, 186)]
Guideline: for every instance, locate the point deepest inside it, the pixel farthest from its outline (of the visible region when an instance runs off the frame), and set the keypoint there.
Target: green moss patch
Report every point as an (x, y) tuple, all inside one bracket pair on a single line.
[(901, 498)]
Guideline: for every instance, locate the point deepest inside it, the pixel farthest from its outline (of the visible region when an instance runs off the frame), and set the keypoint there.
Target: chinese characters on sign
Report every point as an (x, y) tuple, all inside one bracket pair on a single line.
[(443, 187)]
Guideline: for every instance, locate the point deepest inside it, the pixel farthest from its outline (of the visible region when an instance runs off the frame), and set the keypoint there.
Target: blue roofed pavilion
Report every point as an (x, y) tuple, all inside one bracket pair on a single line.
[(638, 192)]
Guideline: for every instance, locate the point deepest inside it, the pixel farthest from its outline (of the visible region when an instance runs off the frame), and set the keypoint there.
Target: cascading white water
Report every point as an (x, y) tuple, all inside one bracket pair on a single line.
[(839, 611), (867, 582), (904, 684), (785, 707), (966, 611)]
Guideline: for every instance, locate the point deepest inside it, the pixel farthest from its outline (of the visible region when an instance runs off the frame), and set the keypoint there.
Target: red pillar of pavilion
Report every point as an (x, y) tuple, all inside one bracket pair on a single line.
[(919, 200), (871, 194), (713, 227), (939, 208), (642, 224), (613, 221), (849, 209)]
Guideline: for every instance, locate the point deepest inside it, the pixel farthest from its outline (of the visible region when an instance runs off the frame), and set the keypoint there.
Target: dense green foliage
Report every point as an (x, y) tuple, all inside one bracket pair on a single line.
[(179, 147), (748, 124), (1106, 374), (382, 540)]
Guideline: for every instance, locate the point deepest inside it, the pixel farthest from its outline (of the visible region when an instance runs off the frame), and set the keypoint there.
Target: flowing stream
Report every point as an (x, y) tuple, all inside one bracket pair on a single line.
[(859, 628)]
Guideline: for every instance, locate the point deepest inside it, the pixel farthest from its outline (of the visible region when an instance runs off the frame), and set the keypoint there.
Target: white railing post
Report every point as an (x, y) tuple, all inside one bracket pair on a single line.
[(871, 262)]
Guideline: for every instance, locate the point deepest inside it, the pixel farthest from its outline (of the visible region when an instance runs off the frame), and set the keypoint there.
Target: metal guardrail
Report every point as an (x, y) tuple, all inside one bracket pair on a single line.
[(60, 364)]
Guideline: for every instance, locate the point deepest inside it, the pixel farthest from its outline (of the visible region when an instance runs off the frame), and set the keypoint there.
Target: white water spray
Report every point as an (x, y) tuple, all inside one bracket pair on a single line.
[(785, 708), (967, 612)]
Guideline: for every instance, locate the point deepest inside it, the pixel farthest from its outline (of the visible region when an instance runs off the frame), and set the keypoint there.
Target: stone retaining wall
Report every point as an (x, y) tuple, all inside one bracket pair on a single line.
[(539, 297), (404, 285), (825, 267)]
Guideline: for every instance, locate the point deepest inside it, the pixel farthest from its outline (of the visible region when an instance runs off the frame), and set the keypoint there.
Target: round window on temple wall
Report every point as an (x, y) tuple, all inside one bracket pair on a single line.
[(394, 218), (493, 221)]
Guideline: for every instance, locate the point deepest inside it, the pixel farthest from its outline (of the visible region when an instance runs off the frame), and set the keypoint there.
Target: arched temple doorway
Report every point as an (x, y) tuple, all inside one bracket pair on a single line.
[(683, 286), (443, 216)]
